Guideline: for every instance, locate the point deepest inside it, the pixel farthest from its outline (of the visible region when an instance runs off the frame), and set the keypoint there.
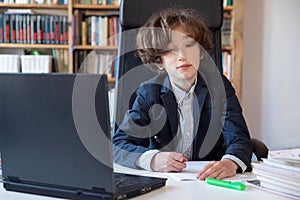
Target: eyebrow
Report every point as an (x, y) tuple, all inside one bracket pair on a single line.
[(189, 37)]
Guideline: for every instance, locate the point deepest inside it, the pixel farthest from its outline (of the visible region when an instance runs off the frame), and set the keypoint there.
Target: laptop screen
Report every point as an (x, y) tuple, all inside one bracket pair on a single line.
[(54, 130)]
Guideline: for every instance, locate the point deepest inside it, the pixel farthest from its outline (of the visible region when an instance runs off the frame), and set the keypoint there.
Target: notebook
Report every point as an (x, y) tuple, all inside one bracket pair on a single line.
[(55, 138)]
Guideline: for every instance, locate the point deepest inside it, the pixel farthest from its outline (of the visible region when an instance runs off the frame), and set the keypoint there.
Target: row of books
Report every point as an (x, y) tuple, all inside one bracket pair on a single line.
[(33, 29), (226, 32), (227, 2), (48, 2), (227, 63), (95, 30), (60, 60), (280, 172), (95, 62), (98, 2)]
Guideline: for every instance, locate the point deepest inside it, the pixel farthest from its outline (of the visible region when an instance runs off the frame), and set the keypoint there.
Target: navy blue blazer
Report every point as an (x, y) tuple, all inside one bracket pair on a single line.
[(147, 126)]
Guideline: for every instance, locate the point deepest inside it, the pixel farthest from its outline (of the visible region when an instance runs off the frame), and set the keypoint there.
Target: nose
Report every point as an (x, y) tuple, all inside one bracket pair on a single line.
[(181, 55), (182, 58)]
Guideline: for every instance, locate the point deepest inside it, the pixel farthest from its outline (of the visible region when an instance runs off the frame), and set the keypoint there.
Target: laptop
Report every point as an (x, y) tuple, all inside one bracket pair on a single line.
[(55, 138)]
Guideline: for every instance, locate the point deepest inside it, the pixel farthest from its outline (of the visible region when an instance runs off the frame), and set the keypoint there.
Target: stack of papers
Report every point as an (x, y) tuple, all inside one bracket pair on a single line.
[(194, 167), (190, 172), (1, 178), (280, 171)]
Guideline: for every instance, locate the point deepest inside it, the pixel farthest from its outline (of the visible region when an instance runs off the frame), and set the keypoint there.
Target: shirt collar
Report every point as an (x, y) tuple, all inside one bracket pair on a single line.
[(181, 94)]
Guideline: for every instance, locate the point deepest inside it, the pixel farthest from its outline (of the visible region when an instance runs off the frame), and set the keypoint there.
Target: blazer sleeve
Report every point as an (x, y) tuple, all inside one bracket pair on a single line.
[(132, 137), (235, 131)]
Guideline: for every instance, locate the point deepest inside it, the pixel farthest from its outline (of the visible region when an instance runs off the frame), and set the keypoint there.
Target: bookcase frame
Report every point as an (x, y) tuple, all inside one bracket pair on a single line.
[(236, 48)]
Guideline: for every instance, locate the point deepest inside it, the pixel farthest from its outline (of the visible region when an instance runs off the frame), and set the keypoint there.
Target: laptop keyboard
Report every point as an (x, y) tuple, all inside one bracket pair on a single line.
[(124, 180)]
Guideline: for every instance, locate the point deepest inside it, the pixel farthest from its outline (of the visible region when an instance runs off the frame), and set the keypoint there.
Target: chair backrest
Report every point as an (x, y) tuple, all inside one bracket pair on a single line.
[(260, 150), (133, 14)]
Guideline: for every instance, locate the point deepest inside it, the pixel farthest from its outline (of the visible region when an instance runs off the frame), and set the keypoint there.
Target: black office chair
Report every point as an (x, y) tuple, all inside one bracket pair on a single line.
[(133, 14), (130, 72), (260, 150)]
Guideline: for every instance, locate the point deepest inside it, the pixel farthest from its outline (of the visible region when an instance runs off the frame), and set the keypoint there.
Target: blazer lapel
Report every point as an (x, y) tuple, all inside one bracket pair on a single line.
[(170, 106), (200, 95), (200, 92)]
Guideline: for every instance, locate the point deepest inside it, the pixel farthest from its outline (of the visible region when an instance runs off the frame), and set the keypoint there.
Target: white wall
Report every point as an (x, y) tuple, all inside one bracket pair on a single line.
[(271, 71)]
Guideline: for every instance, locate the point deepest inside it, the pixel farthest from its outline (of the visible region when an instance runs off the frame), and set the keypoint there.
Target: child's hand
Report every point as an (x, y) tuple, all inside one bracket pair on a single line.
[(168, 162), (218, 169)]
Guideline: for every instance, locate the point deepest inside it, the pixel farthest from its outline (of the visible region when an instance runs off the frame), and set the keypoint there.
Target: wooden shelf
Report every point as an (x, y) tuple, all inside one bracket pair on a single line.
[(228, 8), (227, 48), (33, 6), (96, 7), (89, 47), (34, 46)]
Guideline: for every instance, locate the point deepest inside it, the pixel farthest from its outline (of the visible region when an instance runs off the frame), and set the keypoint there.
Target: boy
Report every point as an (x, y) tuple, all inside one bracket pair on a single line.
[(171, 117)]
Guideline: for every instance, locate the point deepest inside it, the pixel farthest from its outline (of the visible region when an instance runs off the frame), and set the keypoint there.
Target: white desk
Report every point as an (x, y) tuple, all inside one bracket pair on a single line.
[(181, 190)]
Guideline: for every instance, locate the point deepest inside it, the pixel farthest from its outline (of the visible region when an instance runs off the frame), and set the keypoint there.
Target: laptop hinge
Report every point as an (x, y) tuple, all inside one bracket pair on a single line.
[(14, 179)]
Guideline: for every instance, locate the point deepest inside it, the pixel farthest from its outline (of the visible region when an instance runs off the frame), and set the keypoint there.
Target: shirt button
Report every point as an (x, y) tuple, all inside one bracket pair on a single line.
[(188, 133)]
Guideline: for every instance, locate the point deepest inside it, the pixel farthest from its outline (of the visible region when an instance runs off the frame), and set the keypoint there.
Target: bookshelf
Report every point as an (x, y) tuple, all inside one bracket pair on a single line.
[(233, 48), (234, 14), (69, 48), (93, 18)]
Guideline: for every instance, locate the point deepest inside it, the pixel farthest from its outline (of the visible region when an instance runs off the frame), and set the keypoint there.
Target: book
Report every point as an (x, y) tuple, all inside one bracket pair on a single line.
[(262, 168), (20, 11), (77, 27), (282, 164), (280, 172), (1, 28), (83, 33), (287, 182), (291, 155), (278, 186), (257, 185)]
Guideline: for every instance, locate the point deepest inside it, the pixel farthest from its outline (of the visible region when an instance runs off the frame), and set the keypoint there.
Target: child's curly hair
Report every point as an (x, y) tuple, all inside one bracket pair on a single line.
[(155, 35)]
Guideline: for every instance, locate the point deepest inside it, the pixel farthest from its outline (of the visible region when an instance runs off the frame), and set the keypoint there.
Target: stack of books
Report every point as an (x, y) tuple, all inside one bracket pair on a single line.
[(1, 178), (280, 172)]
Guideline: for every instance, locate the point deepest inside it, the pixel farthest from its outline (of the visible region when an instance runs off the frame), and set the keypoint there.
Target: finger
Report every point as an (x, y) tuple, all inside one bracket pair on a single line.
[(211, 172), (206, 167), (179, 157), (179, 165), (222, 175), (172, 169), (172, 166)]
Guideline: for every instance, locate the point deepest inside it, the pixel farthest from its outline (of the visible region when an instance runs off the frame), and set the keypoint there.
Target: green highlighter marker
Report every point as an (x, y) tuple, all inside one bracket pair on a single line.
[(226, 184)]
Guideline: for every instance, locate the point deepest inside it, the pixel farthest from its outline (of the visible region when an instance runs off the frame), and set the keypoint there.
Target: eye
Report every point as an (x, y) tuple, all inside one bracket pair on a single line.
[(191, 44), (169, 50)]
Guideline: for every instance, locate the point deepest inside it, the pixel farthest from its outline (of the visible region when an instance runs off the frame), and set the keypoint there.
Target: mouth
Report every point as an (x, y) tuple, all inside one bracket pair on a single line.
[(185, 66)]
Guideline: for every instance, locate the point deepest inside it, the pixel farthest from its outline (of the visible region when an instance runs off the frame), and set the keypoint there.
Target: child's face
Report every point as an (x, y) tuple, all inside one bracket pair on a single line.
[(183, 57)]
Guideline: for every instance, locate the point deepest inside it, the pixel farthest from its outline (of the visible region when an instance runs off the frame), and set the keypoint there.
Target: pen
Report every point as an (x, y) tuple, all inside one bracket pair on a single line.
[(163, 145), (158, 140), (226, 184)]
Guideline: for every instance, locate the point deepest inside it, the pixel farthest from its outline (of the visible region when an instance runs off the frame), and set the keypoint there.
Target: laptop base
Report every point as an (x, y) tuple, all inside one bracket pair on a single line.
[(54, 192), (72, 193)]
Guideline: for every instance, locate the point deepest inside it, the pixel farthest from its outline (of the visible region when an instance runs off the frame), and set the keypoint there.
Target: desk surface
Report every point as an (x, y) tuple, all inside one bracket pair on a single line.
[(187, 190)]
